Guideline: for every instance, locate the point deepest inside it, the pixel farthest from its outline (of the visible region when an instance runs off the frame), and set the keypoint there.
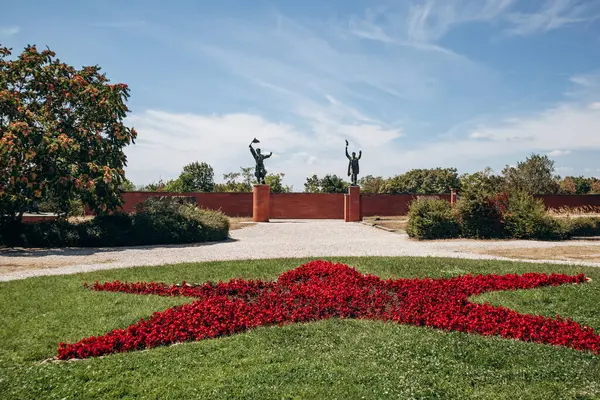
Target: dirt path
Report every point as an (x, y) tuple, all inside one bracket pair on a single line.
[(277, 239)]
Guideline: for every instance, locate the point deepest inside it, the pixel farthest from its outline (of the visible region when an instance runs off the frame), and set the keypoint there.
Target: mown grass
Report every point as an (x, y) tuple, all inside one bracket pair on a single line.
[(326, 359)]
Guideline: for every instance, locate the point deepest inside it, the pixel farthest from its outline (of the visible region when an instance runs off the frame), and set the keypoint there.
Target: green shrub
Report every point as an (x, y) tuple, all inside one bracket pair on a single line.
[(481, 215), (526, 218), (215, 223), (160, 204), (159, 223), (107, 230), (47, 234), (167, 227), (432, 219), (73, 208), (582, 226), (177, 220)]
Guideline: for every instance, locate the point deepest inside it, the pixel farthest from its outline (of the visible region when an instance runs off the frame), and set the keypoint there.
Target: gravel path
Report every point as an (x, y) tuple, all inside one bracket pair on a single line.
[(277, 239)]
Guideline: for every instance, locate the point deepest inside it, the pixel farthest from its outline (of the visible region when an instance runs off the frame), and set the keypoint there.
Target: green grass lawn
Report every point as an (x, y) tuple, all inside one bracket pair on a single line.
[(327, 359)]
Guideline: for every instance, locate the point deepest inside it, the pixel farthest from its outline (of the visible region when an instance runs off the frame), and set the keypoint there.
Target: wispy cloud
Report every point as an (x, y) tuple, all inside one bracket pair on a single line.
[(422, 24), (310, 86), (120, 24), (553, 14), (564, 169), (220, 140), (430, 20), (171, 140), (367, 29), (558, 153), (8, 31), (585, 86)]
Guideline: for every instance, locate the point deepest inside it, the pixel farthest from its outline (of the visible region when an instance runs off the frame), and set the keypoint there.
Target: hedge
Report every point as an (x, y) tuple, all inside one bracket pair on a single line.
[(432, 219), (164, 224), (518, 216)]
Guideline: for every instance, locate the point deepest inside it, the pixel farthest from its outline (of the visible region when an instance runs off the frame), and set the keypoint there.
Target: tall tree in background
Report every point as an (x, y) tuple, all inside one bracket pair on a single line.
[(535, 175), (275, 181), (485, 182), (197, 177), (312, 184), (334, 184), (237, 181), (568, 186), (244, 180), (371, 184), (127, 186), (579, 185), (61, 133), (595, 189), (327, 184), (584, 185), (423, 181)]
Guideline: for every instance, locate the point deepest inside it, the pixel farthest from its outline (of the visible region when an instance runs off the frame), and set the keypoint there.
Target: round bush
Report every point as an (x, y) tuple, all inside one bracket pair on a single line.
[(526, 218), (432, 219), (582, 226), (480, 216)]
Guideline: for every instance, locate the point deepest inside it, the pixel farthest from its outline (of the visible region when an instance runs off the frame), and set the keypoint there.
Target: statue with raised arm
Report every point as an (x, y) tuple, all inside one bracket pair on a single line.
[(353, 169), (259, 172)]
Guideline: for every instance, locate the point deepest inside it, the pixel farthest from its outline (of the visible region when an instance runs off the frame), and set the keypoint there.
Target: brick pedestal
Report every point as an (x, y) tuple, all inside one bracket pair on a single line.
[(346, 208), (353, 209), (261, 203)]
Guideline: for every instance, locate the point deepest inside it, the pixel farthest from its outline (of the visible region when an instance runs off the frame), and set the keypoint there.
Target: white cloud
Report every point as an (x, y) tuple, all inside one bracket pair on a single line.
[(555, 14), (567, 127), (558, 153), (481, 135), (586, 86), (365, 29), (430, 20), (9, 31), (424, 22), (120, 24), (564, 169), (168, 141), (306, 82)]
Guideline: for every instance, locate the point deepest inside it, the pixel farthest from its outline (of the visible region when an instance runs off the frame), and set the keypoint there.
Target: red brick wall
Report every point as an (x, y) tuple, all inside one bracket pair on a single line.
[(232, 204), (389, 204), (572, 201), (307, 205), (327, 206), (34, 219)]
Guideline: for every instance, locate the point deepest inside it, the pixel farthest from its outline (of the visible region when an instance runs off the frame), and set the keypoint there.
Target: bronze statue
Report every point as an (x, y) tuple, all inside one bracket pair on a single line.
[(353, 165), (259, 172)]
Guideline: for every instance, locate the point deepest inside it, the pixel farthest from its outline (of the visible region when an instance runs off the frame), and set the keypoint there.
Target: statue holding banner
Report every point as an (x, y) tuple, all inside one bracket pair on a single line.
[(259, 172), (353, 168)]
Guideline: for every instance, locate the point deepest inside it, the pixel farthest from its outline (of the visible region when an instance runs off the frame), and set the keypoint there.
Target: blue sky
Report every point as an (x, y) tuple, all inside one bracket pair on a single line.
[(414, 84)]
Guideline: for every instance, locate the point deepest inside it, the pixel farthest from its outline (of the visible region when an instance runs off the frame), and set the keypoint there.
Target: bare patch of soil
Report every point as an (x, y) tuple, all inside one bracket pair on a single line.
[(395, 223), (240, 223), (28, 263), (589, 253)]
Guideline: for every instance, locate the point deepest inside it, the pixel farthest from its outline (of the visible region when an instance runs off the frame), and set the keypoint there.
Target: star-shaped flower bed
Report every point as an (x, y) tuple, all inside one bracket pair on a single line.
[(320, 290)]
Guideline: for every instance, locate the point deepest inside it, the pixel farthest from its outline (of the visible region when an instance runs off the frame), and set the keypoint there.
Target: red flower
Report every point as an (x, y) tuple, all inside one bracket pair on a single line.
[(320, 290)]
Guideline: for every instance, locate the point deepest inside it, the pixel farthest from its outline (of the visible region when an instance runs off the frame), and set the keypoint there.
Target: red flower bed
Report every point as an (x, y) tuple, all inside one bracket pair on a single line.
[(320, 290)]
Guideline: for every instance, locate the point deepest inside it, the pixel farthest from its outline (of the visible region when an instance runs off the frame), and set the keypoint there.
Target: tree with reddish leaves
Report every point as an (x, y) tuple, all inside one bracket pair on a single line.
[(61, 134)]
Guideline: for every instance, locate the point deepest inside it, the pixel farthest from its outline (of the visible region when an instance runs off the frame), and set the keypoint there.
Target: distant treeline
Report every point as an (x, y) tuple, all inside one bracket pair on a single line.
[(535, 175)]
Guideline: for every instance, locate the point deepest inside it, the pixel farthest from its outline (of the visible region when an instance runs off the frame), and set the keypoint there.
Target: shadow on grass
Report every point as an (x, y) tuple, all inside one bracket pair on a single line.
[(88, 251)]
